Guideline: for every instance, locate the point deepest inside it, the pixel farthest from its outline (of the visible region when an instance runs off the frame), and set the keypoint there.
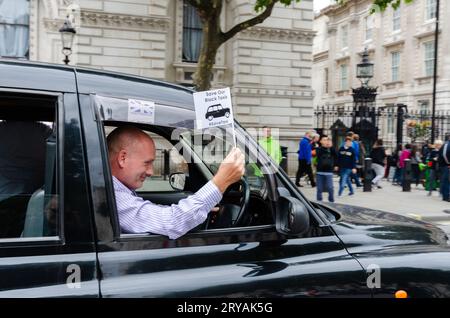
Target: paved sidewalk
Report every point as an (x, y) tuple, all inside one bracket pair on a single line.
[(390, 198)]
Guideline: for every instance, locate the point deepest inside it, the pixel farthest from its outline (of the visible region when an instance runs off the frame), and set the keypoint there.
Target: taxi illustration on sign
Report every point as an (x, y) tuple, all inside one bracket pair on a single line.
[(217, 110)]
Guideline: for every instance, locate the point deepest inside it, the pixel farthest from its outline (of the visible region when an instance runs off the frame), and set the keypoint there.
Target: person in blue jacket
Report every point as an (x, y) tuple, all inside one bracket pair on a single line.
[(304, 160), (347, 165)]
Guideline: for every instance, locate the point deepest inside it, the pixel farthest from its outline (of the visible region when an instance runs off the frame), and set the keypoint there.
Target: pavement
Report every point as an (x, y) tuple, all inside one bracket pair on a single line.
[(415, 204)]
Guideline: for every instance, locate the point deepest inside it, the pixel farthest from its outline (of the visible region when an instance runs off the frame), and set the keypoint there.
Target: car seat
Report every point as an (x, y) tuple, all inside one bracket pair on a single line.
[(34, 219)]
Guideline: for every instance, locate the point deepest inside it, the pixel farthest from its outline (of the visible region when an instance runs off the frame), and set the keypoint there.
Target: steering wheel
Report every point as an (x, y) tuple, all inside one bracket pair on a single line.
[(231, 214)]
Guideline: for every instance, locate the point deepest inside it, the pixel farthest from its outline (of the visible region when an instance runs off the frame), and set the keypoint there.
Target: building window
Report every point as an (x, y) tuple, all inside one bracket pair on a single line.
[(192, 33), (390, 118), (396, 20), (395, 66), (344, 36), (430, 9), (14, 28), (424, 107), (325, 75), (369, 27), (344, 77), (429, 58)]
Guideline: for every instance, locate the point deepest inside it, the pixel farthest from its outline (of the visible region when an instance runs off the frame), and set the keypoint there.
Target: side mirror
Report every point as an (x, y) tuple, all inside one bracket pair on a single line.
[(292, 217), (177, 181)]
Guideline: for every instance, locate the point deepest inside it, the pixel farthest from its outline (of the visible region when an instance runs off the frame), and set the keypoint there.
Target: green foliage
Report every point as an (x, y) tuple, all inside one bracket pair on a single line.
[(262, 4), (381, 5), (378, 5)]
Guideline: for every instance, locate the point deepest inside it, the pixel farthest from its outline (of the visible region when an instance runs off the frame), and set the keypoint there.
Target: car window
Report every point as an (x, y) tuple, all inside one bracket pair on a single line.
[(197, 154), (210, 146), (28, 161)]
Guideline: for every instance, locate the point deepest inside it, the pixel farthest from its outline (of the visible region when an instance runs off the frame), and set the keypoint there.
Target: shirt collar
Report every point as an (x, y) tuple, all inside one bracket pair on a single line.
[(118, 185)]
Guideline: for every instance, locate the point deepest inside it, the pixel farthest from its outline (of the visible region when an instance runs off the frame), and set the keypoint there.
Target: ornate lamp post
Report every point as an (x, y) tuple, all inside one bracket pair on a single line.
[(364, 115), (364, 70), (67, 34)]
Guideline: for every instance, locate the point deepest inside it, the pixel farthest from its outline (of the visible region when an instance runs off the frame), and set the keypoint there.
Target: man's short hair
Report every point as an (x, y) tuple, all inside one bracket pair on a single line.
[(348, 138), (124, 136)]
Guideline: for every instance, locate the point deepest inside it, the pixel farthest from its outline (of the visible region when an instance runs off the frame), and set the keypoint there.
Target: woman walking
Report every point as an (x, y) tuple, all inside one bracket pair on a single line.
[(406, 154)]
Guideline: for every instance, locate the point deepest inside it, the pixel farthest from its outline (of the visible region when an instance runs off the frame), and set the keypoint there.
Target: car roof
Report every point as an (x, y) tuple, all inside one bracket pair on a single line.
[(58, 77)]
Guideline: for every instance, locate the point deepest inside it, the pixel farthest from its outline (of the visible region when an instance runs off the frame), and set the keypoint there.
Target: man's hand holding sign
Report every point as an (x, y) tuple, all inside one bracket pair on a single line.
[(213, 109)]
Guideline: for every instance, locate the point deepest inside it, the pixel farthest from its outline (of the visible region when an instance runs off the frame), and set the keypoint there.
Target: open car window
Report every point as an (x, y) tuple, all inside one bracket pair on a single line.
[(196, 154), (206, 148)]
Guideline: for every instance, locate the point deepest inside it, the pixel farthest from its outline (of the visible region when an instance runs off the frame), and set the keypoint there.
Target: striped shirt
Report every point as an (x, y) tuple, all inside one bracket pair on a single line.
[(137, 215)]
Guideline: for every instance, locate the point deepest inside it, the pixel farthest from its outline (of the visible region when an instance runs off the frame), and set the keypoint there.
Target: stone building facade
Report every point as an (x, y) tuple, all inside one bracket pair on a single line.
[(401, 46), (268, 67)]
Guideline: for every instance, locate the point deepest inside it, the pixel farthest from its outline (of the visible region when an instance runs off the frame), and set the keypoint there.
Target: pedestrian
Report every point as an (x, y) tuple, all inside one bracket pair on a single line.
[(315, 144), (378, 155), (357, 146), (271, 145), (426, 148), (444, 163), (406, 154), (304, 160), (273, 149), (415, 161), (347, 165), (395, 160), (433, 166), (326, 164)]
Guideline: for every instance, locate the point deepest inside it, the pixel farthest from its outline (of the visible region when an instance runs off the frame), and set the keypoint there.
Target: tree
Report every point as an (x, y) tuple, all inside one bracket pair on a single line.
[(209, 12)]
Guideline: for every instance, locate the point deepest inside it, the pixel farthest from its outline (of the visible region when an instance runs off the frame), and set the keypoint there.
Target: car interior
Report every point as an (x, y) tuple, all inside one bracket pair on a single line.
[(176, 176), (28, 200)]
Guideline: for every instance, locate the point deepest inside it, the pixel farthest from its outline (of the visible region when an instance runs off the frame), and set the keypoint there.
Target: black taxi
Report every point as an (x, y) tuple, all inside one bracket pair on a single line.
[(60, 236)]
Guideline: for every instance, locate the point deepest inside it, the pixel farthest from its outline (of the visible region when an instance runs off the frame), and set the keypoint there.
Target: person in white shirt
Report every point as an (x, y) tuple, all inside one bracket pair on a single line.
[(131, 156)]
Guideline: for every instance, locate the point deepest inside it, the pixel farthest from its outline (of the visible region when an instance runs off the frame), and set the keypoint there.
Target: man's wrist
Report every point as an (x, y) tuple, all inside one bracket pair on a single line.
[(220, 185)]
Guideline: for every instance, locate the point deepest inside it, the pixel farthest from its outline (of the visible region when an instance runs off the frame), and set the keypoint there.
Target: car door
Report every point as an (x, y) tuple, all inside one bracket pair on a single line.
[(251, 261), (53, 254)]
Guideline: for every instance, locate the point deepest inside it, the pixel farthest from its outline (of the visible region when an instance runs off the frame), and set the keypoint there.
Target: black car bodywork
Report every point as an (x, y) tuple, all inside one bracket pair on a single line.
[(215, 111), (334, 257)]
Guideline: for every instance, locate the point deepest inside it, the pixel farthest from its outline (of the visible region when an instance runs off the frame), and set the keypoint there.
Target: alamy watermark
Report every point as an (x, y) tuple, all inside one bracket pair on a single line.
[(374, 278), (74, 279)]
